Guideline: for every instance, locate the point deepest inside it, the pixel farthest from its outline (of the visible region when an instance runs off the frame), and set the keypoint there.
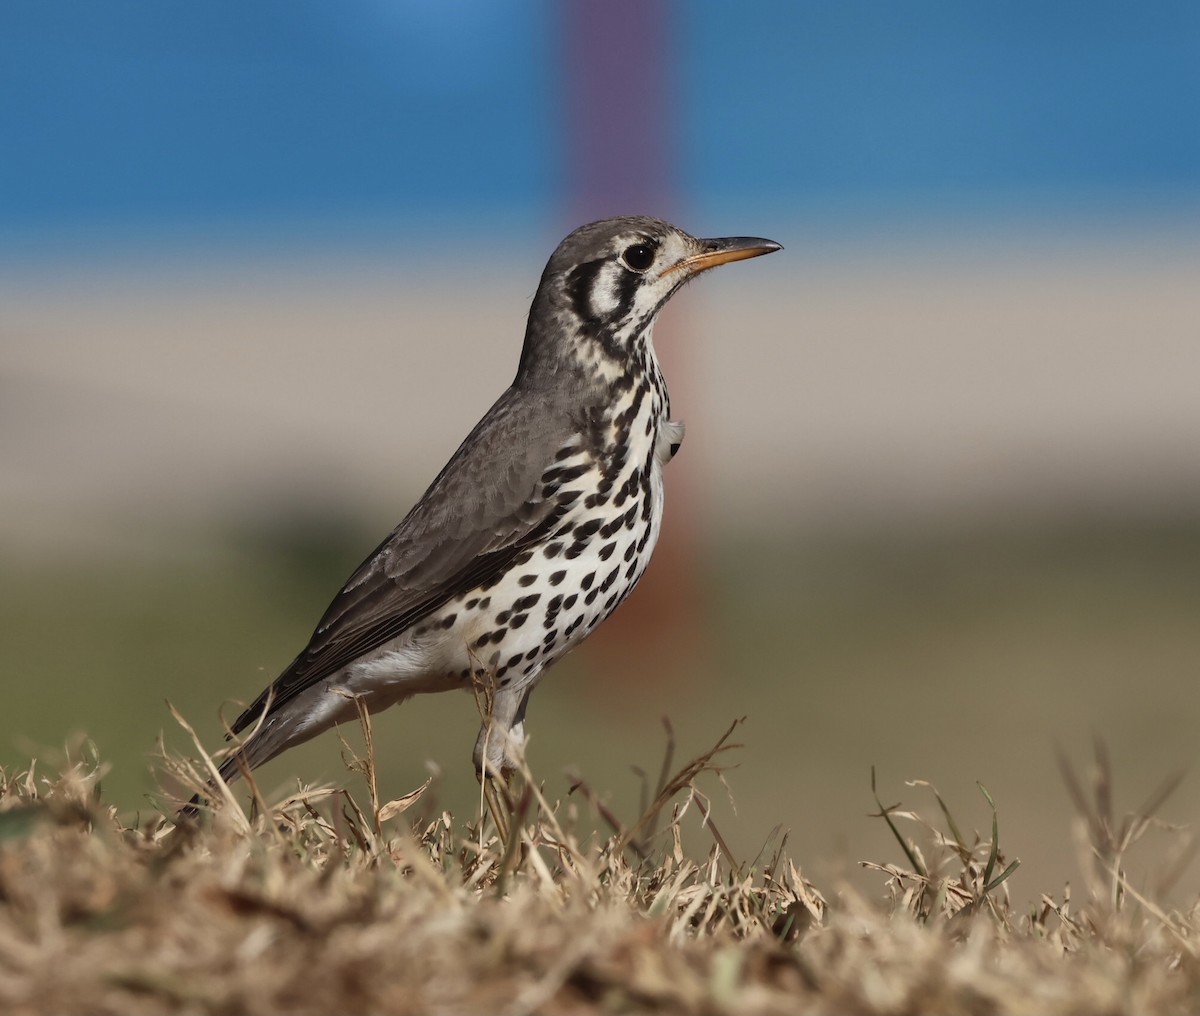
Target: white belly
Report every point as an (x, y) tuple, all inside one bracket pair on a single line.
[(541, 609)]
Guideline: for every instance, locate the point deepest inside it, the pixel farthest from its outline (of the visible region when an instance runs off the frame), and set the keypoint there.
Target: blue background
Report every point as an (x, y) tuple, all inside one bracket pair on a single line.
[(142, 115)]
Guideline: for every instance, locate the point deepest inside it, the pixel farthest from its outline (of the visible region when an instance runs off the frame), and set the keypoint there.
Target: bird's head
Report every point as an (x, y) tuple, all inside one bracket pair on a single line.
[(606, 282)]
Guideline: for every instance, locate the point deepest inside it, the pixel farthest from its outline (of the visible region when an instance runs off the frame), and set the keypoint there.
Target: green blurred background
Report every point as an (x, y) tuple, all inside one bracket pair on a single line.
[(261, 270)]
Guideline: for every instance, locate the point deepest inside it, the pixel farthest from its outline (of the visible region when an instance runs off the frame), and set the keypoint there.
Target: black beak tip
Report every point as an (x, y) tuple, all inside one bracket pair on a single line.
[(758, 244)]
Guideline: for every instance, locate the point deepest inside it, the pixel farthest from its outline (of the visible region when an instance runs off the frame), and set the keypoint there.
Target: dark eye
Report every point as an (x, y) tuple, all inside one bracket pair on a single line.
[(638, 257)]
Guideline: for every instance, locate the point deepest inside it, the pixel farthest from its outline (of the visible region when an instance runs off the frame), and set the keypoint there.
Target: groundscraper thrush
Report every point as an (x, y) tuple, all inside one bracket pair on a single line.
[(536, 529)]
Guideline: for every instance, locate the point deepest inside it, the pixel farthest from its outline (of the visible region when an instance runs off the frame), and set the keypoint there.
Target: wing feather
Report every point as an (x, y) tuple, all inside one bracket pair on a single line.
[(478, 515)]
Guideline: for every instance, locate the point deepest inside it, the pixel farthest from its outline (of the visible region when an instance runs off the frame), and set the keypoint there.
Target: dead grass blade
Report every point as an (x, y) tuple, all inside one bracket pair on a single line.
[(320, 905)]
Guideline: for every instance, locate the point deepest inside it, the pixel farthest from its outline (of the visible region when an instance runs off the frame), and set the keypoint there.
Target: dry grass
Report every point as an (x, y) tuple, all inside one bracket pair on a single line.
[(320, 903)]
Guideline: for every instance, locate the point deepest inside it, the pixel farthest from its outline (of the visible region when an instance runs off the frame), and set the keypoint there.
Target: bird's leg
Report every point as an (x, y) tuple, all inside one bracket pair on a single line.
[(498, 753)]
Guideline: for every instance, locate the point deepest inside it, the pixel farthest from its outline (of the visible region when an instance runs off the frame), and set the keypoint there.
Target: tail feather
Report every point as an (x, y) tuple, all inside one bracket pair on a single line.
[(229, 771), (292, 724)]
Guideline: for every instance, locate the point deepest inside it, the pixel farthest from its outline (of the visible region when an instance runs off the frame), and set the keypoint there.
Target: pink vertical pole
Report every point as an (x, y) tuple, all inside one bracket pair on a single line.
[(621, 155), (620, 134)]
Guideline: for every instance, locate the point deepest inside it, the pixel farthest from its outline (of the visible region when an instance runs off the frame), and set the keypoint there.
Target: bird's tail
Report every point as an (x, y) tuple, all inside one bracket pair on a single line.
[(266, 740), (273, 734), (242, 760)]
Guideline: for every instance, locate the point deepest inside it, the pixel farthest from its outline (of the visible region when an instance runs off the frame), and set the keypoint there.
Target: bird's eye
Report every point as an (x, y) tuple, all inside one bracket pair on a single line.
[(638, 257)]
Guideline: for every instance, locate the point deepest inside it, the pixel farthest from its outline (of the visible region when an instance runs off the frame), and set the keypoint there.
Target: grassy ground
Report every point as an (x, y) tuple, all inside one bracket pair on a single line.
[(951, 657), (337, 901)]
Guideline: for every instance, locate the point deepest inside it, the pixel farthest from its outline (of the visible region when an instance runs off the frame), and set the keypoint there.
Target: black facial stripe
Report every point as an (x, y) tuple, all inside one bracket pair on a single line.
[(659, 306), (584, 279), (581, 282), (627, 287)]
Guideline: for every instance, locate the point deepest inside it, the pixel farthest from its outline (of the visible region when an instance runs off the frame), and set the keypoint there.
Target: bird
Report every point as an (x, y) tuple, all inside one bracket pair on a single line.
[(538, 527)]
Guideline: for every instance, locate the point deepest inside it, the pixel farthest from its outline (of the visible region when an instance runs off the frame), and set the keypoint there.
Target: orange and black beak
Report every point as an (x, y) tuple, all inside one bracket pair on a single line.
[(722, 250)]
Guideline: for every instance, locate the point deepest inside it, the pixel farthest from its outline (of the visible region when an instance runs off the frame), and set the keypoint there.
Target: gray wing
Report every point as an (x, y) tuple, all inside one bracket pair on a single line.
[(485, 507)]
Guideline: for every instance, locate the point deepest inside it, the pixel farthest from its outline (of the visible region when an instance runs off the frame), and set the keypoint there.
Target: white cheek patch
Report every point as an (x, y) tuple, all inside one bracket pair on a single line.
[(604, 296)]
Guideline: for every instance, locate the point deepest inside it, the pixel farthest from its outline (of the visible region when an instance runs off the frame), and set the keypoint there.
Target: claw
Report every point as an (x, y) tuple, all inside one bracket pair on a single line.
[(499, 805)]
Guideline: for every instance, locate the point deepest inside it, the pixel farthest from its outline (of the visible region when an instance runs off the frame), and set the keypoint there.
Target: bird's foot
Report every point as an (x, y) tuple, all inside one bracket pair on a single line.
[(499, 805)]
